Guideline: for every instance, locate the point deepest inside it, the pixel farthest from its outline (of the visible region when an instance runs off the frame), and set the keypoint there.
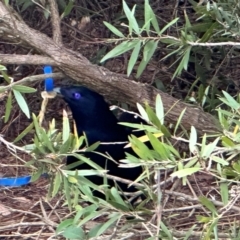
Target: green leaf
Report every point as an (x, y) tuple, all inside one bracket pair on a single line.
[(120, 49), (205, 96), (220, 160), (189, 232), (168, 25), (134, 57), (140, 127), (8, 107), (35, 176), (140, 148), (6, 77), (3, 68), (113, 29), (148, 52), (208, 204), (24, 132), (185, 172), (105, 226), (64, 224), (166, 230), (208, 149), (147, 16), (88, 217), (48, 161), (74, 232), (131, 19), (67, 193), (22, 103), (23, 89), (193, 140), (57, 183), (85, 211), (179, 120), (227, 142), (65, 148), (117, 197), (175, 52), (184, 62), (157, 146), (142, 112), (203, 219), (68, 9), (224, 192), (66, 127), (143, 28), (46, 141), (231, 101), (159, 109), (171, 42), (93, 147), (153, 117), (88, 161), (236, 167)]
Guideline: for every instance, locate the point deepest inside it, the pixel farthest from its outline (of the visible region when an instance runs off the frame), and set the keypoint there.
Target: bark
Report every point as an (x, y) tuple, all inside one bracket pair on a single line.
[(112, 85)]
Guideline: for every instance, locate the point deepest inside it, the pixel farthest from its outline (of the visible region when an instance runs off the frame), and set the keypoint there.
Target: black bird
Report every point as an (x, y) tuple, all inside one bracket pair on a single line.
[(93, 117)]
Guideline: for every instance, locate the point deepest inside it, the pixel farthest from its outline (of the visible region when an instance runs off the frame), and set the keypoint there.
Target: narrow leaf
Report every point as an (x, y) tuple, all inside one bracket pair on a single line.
[(57, 183), (113, 29), (8, 107), (66, 127), (24, 132), (208, 204), (159, 109), (134, 57), (179, 120), (193, 140), (147, 16), (131, 19), (185, 172), (142, 112), (120, 49), (23, 89), (22, 103), (168, 25), (148, 52)]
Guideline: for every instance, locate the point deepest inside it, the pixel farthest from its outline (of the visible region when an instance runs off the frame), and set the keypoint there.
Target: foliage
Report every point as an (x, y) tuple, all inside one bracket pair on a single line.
[(216, 155), (64, 6), (17, 91), (202, 42), (156, 154), (135, 39)]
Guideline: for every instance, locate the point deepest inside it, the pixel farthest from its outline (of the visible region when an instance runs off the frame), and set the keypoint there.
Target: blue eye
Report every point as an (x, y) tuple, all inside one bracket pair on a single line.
[(76, 95)]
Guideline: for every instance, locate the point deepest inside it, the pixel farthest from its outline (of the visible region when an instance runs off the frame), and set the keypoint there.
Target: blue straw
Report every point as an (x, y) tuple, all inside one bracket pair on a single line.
[(48, 81), (15, 181)]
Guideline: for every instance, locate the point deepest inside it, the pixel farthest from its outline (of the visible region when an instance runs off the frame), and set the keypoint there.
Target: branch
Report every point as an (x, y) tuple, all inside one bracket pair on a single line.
[(57, 36), (26, 59), (31, 79), (209, 44), (115, 86)]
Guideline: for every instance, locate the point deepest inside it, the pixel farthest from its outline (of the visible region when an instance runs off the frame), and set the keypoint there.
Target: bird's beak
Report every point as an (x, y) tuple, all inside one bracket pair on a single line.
[(57, 90)]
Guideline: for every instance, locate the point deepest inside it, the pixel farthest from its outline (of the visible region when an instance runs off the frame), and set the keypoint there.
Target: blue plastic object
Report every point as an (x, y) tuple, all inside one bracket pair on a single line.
[(48, 81), (15, 181)]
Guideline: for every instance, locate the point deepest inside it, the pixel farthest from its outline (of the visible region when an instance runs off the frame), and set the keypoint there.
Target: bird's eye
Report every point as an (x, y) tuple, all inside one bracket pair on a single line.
[(76, 95)]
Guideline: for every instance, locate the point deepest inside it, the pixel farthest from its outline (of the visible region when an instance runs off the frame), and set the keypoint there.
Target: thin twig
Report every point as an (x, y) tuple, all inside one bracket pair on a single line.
[(26, 59), (56, 21), (31, 79)]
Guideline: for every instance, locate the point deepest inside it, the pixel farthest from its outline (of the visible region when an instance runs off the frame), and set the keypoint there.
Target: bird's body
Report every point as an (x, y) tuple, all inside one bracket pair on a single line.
[(93, 117)]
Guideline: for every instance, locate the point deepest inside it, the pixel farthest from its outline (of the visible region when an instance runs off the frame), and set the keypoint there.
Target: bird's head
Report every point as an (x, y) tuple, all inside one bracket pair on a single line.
[(88, 107), (81, 98)]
